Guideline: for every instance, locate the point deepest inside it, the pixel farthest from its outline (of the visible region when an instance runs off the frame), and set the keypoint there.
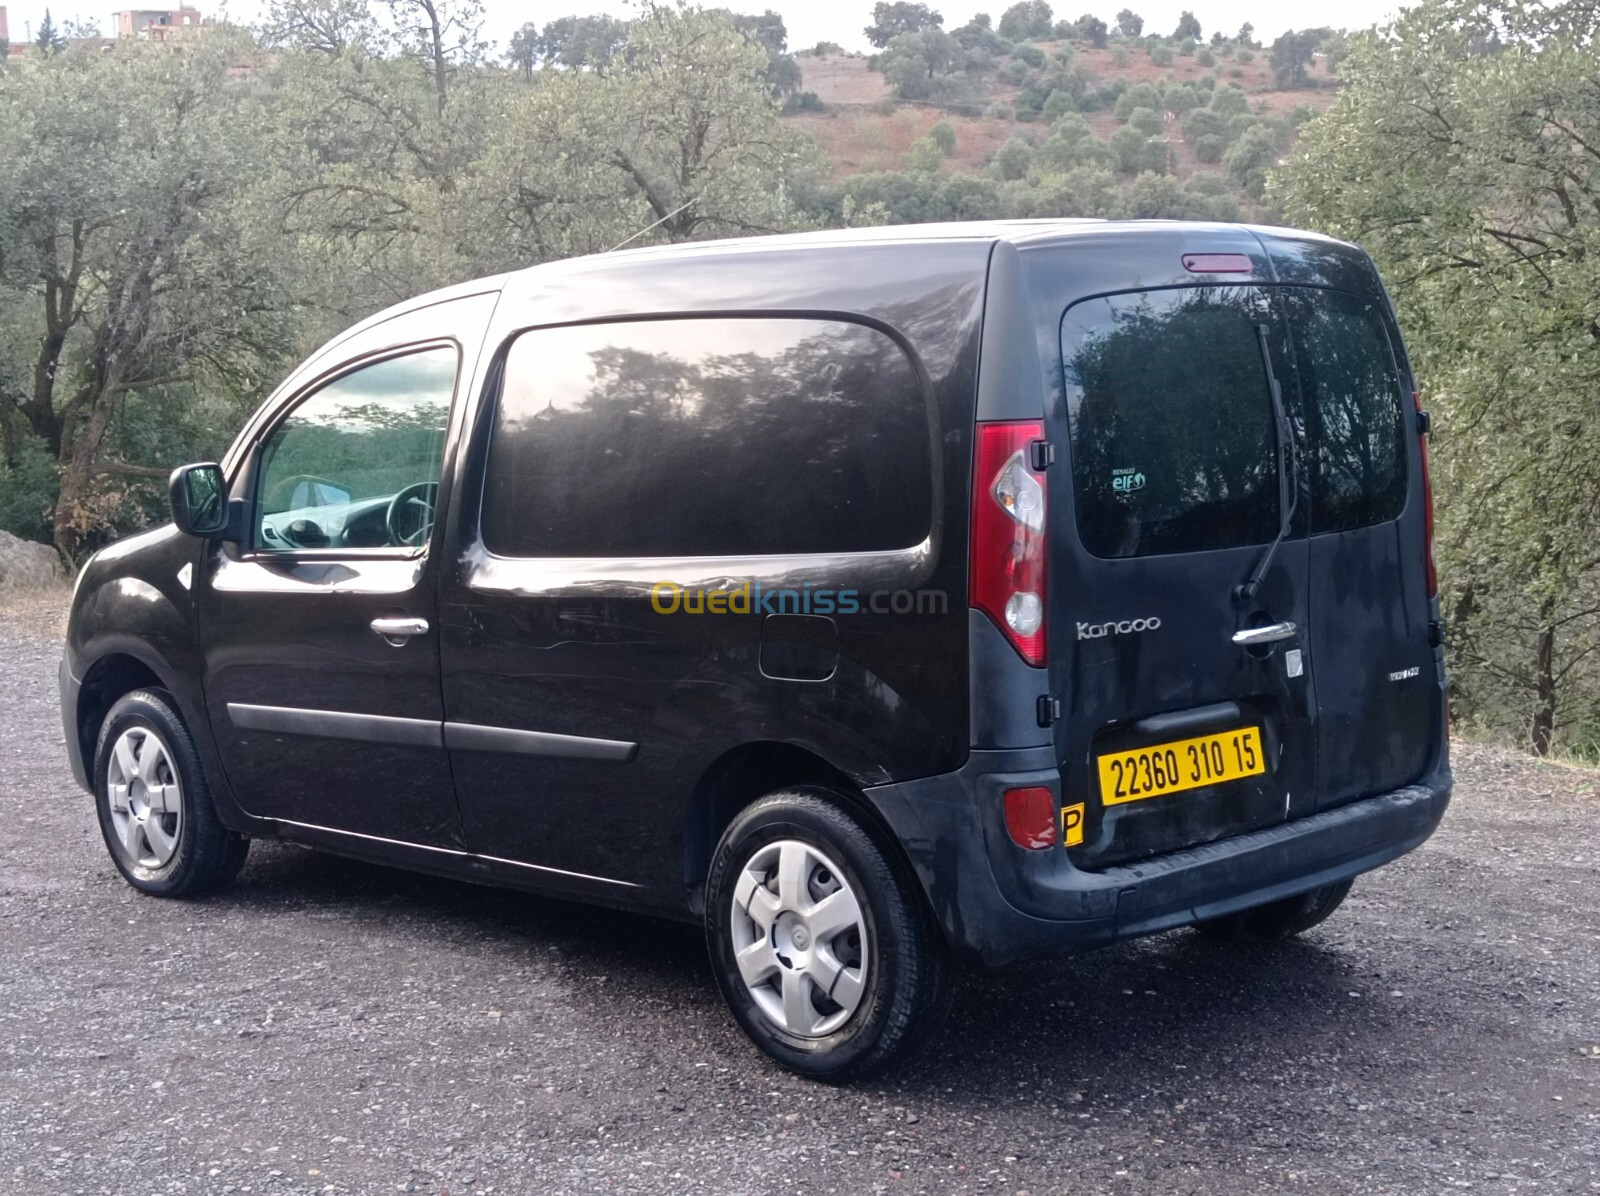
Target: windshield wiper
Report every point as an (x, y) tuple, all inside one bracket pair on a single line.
[(1288, 479)]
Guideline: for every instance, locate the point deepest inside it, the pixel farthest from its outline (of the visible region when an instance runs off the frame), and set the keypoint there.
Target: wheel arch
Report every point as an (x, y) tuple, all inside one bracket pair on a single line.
[(109, 679), (749, 772)]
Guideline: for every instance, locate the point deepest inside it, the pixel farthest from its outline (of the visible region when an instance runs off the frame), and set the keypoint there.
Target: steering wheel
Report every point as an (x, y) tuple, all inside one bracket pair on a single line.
[(413, 504)]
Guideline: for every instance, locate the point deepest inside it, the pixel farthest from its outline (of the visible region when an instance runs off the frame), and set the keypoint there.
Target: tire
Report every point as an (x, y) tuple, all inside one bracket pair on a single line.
[(1278, 920), (155, 809), (887, 967)]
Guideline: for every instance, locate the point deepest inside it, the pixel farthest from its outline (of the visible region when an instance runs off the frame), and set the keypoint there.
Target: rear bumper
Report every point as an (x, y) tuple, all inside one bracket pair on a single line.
[(999, 903)]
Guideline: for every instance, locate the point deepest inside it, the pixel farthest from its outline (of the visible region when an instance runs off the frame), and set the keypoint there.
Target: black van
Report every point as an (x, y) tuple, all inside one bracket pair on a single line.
[(883, 599)]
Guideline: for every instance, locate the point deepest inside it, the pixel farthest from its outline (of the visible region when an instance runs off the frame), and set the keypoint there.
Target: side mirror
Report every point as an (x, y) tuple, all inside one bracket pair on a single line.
[(199, 499)]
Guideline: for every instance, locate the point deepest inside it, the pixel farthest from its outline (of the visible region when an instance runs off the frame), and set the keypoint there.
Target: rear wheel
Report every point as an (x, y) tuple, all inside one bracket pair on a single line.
[(1279, 920), (820, 944), (154, 806)]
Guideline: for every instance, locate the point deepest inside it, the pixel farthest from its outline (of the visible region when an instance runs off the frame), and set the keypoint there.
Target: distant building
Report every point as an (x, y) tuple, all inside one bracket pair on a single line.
[(157, 24)]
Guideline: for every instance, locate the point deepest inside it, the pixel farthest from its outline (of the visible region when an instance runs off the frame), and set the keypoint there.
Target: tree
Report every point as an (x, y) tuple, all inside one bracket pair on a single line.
[(442, 35), (1246, 33), (134, 267), (323, 26), (1129, 23), (891, 19), (1461, 153), (681, 140), (1188, 27), (1092, 30), (49, 40), (1290, 57), (523, 50), (582, 43), (1027, 20), (918, 65)]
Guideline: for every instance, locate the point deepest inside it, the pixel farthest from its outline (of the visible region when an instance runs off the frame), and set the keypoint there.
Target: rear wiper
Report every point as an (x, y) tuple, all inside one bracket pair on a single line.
[(1288, 480)]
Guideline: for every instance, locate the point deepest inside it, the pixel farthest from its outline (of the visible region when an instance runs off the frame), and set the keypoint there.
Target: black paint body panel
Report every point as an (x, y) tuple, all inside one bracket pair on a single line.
[(552, 730)]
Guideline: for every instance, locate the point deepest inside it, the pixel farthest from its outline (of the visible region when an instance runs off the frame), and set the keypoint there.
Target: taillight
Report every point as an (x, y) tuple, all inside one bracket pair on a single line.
[(1009, 546), (1031, 817), (1427, 506)]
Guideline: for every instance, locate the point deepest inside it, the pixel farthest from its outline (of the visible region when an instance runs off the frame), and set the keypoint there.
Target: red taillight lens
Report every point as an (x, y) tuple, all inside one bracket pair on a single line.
[(1009, 546), (1427, 509), (1031, 817)]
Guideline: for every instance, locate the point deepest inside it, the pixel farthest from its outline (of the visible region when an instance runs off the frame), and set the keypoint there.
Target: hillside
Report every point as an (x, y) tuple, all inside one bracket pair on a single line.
[(863, 127)]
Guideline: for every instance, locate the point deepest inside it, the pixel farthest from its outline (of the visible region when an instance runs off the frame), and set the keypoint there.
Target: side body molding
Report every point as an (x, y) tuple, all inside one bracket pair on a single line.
[(418, 732)]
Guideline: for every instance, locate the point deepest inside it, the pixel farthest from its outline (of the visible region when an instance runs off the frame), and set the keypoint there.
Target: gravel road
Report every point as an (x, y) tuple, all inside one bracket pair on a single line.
[(333, 1027)]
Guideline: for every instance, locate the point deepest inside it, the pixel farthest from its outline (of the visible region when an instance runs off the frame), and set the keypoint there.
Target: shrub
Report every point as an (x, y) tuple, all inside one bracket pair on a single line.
[(1120, 57), (803, 101), (1206, 58), (1147, 120), (943, 135), (1246, 55), (1011, 160), (1161, 55), (1208, 148), (1028, 53)]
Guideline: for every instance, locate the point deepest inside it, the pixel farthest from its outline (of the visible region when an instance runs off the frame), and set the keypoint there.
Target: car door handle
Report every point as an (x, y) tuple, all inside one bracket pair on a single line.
[(1270, 634), (397, 629)]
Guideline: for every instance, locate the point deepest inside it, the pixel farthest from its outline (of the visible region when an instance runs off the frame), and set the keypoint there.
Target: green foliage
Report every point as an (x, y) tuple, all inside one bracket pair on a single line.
[(1028, 53), (1188, 27), (1161, 55), (1012, 160), (925, 65), (1205, 58), (1138, 152), (1460, 152), (1129, 23), (1092, 29), (1141, 95), (943, 135), (893, 19), (1230, 101), (1147, 121), (1026, 20), (1250, 157), (1208, 148), (1291, 56), (1120, 56)]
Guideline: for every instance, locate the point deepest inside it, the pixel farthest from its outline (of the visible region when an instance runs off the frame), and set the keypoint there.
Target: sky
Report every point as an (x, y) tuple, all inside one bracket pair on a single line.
[(811, 21)]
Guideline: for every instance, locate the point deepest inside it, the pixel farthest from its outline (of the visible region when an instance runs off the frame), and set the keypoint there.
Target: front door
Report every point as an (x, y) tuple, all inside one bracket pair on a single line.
[(1180, 575), (320, 630)]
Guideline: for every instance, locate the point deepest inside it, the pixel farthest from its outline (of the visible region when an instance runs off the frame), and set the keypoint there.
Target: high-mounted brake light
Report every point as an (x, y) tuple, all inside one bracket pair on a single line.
[(1427, 502), (1217, 263), (1010, 554)]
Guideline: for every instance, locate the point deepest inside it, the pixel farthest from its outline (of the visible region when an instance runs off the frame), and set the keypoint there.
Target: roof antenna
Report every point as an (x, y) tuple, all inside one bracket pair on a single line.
[(651, 225)]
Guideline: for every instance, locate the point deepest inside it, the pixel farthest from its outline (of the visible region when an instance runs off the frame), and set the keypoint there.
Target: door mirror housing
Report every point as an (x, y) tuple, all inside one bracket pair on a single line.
[(200, 500)]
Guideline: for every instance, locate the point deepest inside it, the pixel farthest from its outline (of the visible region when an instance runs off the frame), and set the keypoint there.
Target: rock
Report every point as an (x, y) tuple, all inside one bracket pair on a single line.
[(25, 565)]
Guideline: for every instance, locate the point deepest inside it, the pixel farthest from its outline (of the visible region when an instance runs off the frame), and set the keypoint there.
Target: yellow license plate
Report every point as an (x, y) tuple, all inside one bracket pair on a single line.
[(1164, 768)]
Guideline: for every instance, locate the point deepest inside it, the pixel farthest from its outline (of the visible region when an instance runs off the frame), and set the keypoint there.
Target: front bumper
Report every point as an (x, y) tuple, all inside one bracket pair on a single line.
[(70, 686), (999, 903)]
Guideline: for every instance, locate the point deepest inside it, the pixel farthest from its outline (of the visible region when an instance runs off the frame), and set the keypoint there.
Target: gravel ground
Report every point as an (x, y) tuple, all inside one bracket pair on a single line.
[(332, 1027)]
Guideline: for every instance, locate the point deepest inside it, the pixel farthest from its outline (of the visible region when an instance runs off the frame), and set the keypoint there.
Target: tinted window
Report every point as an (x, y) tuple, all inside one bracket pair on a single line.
[(711, 437), (1173, 446), (329, 471), (1354, 407)]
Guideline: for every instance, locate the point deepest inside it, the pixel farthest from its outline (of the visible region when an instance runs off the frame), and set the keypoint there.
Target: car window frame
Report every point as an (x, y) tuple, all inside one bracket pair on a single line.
[(497, 571), (1271, 312), (245, 484)]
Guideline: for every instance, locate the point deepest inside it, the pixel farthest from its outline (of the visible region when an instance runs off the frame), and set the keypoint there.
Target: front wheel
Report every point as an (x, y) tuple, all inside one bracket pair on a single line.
[(820, 944), (1278, 920), (155, 809)]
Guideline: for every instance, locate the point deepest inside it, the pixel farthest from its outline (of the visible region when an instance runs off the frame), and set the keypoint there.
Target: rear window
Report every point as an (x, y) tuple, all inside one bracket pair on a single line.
[(708, 437), (1173, 444), (1355, 408)]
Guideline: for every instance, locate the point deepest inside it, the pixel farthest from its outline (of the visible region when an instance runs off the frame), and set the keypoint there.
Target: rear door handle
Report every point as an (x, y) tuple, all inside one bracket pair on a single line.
[(1270, 634), (397, 629)]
